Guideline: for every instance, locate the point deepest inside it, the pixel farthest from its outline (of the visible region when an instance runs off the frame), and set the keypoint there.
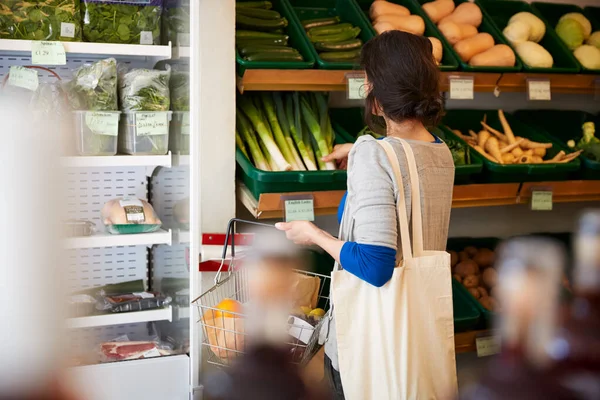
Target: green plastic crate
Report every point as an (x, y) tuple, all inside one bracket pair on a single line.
[(464, 120), (486, 27), (563, 126), (500, 12), (449, 60), (467, 313), (297, 40), (592, 13), (551, 13), (347, 122), (345, 9)]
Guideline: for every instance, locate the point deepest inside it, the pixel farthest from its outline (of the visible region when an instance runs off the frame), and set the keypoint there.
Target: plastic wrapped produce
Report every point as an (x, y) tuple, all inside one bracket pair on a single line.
[(117, 303), (180, 90), (129, 215), (176, 22), (130, 22), (94, 86), (40, 20), (145, 89)]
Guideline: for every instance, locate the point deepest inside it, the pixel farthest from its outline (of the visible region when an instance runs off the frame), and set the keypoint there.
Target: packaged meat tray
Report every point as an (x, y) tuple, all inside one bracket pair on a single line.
[(129, 216)]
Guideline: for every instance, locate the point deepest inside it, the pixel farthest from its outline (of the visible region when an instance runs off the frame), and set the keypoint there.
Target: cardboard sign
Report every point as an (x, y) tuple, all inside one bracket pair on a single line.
[(541, 200), (26, 78), (487, 346), (462, 88), (539, 90)]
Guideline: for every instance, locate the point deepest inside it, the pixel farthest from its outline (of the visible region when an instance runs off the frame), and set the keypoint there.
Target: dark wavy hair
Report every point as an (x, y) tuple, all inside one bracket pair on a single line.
[(404, 79)]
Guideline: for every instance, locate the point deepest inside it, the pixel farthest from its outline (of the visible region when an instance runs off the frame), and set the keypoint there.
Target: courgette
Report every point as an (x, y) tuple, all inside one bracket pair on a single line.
[(266, 5), (339, 46), (258, 13), (341, 56), (338, 37), (242, 34), (261, 41), (274, 57), (259, 24), (252, 49), (313, 23), (329, 30)]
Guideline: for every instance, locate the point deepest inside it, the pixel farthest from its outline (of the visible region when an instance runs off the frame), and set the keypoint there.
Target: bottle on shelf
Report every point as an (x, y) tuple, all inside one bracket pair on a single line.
[(576, 349), (529, 272)]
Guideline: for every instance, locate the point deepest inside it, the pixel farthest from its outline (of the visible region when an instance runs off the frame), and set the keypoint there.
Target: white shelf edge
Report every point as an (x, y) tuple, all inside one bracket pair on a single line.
[(108, 240), (184, 237), (161, 314), (117, 161), (180, 160), (108, 49), (184, 312)]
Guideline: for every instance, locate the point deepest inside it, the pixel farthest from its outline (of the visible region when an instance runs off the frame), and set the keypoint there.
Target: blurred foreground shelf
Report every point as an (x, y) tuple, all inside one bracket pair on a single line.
[(161, 314)]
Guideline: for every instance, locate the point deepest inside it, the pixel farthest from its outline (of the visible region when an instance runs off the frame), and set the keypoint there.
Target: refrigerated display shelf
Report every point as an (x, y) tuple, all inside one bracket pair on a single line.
[(93, 321), (118, 161), (104, 239)]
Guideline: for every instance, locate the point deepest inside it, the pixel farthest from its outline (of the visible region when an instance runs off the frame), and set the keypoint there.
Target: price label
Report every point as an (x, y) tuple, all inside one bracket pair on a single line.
[(26, 78), (151, 353), (541, 200), (185, 123), (539, 90), (102, 123), (48, 53), (356, 87), (461, 88), (146, 37), (487, 346), (67, 29), (151, 123), (299, 210)]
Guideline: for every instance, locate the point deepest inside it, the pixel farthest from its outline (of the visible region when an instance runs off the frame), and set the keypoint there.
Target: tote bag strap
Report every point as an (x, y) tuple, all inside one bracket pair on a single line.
[(401, 203)]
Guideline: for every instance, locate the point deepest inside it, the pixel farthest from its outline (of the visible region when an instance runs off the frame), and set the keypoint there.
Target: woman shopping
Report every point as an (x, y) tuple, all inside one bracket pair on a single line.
[(390, 331)]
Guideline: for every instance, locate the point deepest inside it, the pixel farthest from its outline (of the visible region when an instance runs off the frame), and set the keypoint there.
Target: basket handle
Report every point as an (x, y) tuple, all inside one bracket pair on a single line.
[(230, 232), (31, 67)]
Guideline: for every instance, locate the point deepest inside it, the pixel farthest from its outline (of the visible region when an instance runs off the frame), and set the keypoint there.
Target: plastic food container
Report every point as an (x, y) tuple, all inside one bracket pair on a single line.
[(96, 132), (127, 229), (179, 133), (145, 132), (78, 227)]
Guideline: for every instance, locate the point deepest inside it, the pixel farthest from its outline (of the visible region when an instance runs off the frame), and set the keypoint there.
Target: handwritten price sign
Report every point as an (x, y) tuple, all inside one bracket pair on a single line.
[(151, 123), (48, 53), (103, 123), (461, 88), (299, 210)]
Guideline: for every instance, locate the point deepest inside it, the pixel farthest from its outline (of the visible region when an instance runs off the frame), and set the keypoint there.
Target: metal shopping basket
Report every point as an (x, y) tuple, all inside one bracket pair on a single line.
[(224, 331)]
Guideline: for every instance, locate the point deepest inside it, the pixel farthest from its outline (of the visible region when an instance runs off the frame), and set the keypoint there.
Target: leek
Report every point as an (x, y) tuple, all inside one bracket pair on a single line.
[(286, 128), (293, 116), (268, 106), (315, 130), (246, 131), (240, 144)]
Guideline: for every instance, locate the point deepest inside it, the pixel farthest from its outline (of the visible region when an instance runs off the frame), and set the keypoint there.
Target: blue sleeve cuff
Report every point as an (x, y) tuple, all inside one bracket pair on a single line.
[(371, 263)]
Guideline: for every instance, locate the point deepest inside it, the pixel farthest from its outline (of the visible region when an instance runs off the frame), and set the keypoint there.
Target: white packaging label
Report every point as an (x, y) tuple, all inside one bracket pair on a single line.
[(67, 29), (102, 123), (144, 295), (151, 353), (151, 123), (146, 37), (134, 210), (26, 78), (539, 90)]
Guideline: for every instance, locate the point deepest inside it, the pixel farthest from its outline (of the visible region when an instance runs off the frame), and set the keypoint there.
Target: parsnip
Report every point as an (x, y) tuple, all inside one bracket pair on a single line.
[(559, 156), (536, 159), (528, 144), (517, 152), (483, 153), (540, 152), (498, 134), (511, 147), (507, 129), (482, 138), (491, 145), (528, 153), (508, 158), (524, 159)]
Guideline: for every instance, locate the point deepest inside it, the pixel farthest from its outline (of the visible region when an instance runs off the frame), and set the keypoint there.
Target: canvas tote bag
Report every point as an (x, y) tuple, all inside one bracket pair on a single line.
[(397, 342)]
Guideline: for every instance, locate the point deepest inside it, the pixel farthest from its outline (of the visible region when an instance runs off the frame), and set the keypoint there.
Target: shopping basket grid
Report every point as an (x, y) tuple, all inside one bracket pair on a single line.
[(224, 331)]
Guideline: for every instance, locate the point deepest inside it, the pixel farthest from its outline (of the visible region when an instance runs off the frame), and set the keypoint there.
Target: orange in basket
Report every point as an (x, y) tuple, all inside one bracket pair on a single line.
[(228, 305)]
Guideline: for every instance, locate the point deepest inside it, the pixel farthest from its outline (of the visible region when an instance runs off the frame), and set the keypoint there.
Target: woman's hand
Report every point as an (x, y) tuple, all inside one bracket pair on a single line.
[(300, 232), (340, 155)]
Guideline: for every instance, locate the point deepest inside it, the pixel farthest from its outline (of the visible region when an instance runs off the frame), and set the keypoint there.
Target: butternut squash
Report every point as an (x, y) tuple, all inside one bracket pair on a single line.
[(381, 7), (500, 55), (413, 23), (381, 27), (465, 13), (438, 9), (437, 50), (468, 48), (454, 32)]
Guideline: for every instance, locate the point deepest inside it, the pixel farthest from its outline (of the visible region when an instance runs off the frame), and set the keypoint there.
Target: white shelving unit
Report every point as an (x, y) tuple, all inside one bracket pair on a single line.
[(108, 240), (117, 161), (94, 321)]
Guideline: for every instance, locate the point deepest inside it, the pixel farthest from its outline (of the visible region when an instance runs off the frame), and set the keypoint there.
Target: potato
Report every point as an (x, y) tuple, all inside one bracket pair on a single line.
[(487, 303), (484, 258), (457, 277), (453, 258), (474, 292), (467, 267), (462, 256), (471, 250), (482, 291), (471, 281), (490, 277)]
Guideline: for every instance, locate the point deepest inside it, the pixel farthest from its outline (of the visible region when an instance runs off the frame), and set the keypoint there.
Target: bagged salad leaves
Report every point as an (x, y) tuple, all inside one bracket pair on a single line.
[(145, 89), (40, 20), (118, 21), (94, 87), (176, 22), (180, 90)]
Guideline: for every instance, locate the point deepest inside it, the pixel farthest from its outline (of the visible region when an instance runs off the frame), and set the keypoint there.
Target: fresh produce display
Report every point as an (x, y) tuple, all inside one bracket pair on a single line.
[(285, 131), (576, 31), (333, 39), (176, 22), (508, 148), (589, 144), (131, 22), (143, 89), (461, 153), (459, 25), (40, 20), (474, 268), (129, 215), (260, 33), (179, 87), (524, 31), (94, 87)]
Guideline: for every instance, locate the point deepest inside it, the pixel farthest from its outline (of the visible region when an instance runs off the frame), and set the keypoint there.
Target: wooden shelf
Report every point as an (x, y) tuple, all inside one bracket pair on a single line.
[(269, 205), (334, 80), (464, 342)]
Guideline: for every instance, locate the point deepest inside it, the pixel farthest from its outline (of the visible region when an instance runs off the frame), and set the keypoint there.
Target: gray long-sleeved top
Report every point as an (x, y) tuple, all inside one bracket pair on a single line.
[(370, 211)]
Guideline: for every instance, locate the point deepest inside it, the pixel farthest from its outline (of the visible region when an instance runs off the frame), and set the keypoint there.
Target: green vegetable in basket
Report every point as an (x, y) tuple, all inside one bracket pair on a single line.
[(94, 87), (40, 20), (589, 143), (133, 22), (145, 90), (460, 152)]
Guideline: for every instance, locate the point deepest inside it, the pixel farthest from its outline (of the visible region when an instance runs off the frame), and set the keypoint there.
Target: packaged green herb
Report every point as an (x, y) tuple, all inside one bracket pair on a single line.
[(40, 20), (176, 22), (118, 21), (94, 87), (180, 90), (145, 89)]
